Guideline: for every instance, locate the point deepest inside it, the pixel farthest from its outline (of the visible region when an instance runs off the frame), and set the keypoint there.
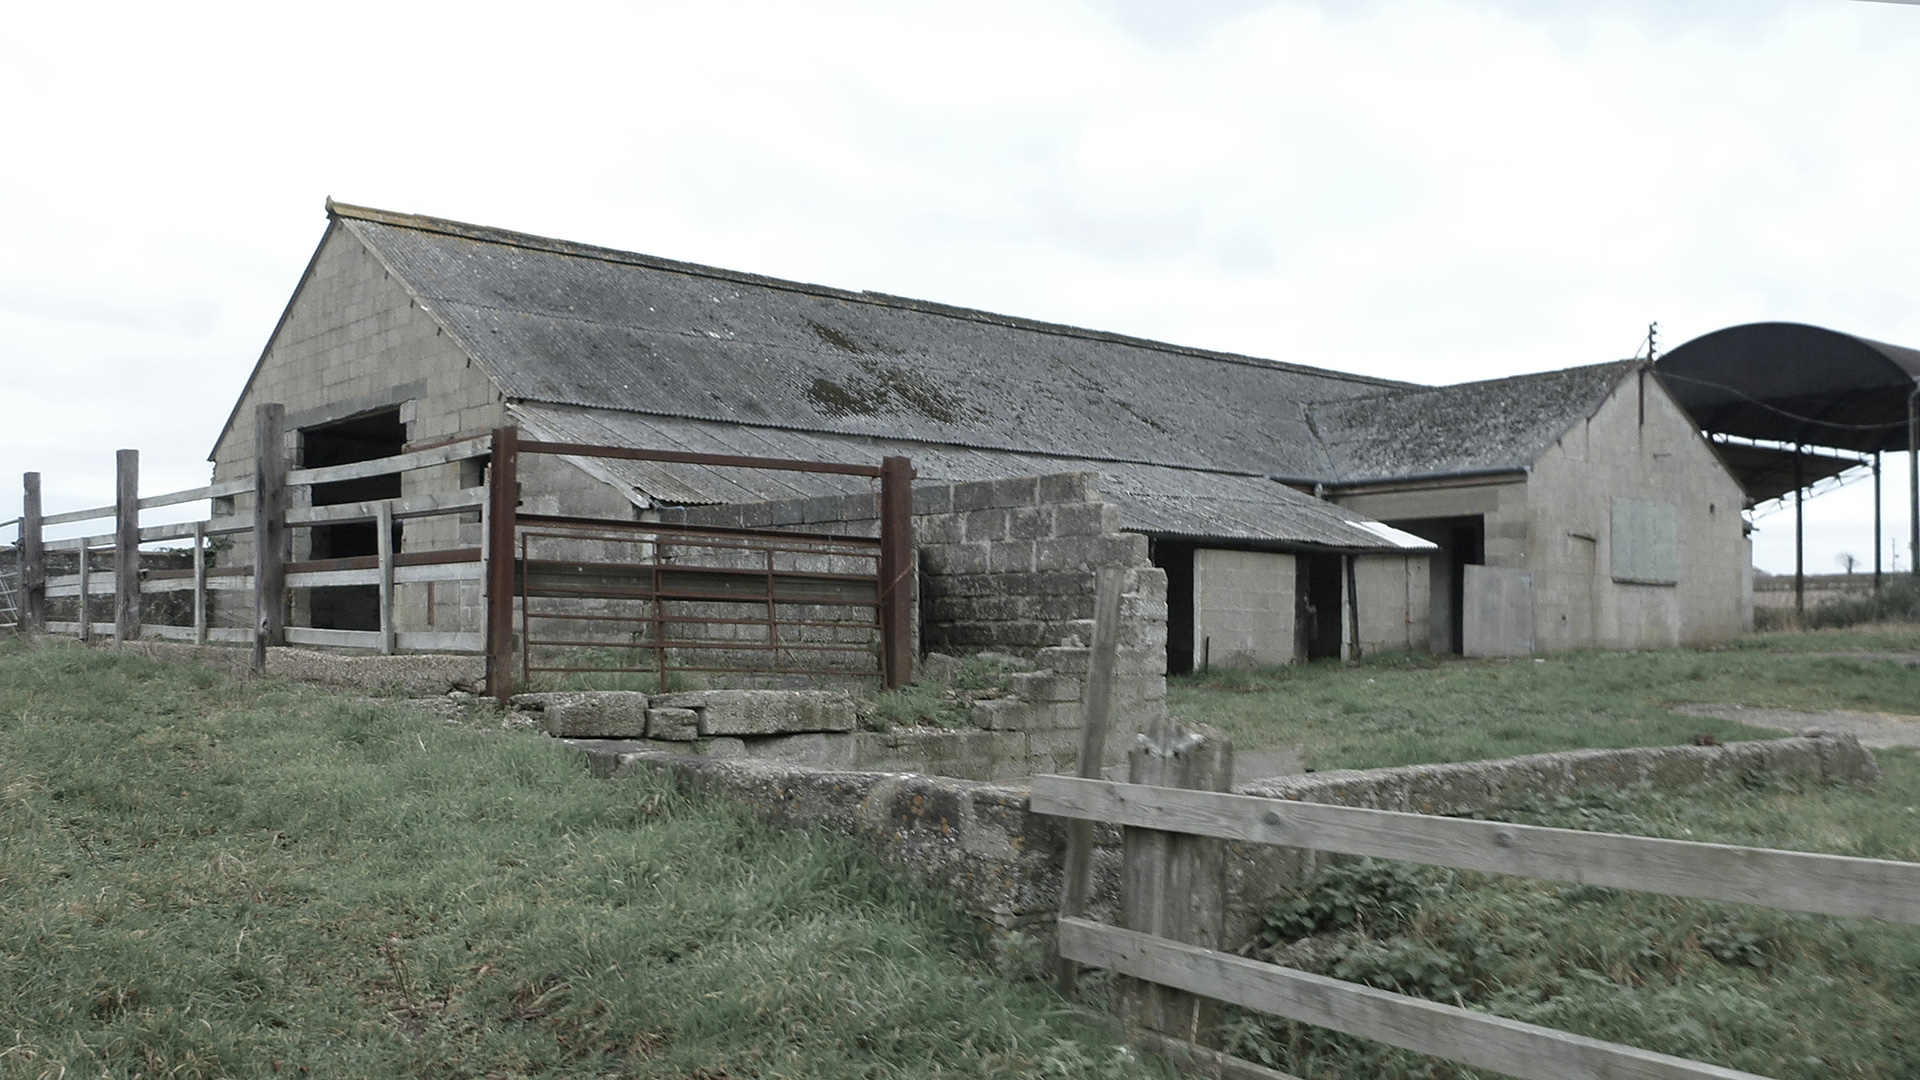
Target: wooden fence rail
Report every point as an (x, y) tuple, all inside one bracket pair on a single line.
[(492, 564), (1786, 880)]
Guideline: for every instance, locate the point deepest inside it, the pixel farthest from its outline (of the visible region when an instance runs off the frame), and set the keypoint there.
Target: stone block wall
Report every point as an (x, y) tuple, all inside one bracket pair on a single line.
[(983, 842), (1009, 566)]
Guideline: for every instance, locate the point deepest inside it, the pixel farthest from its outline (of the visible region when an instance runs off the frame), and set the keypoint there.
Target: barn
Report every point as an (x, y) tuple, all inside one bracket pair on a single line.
[(1297, 512)]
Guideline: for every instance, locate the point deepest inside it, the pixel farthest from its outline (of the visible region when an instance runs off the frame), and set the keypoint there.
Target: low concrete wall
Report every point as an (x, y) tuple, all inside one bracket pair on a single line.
[(982, 841), (412, 675)]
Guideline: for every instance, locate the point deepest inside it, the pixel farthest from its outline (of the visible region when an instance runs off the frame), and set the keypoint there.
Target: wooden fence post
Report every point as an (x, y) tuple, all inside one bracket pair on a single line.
[(503, 501), (896, 570), (33, 559), (1095, 706), (383, 545), (126, 545), (199, 583), (86, 590), (1173, 885), (271, 550)]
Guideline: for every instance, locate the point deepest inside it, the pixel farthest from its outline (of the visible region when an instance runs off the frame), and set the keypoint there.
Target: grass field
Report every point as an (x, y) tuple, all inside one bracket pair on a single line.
[(1405, 709), (1782, 995), (209, 877)]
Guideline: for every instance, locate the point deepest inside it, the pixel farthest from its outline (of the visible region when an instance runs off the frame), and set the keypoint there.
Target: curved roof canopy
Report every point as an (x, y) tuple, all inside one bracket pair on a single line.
[(1793, 383)]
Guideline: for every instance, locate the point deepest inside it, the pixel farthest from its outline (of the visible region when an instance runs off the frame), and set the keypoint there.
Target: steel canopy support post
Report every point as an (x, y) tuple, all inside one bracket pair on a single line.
[(33, 559), (126, 546), (503, 501), (896, 571), (1799, 532), (1913, 482), (1876, 521), (271, 547)]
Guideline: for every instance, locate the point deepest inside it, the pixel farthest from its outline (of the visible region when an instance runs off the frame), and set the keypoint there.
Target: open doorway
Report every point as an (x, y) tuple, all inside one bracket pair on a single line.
[(1320, 589), (1176, 558), (1462, 542), (362, 438)]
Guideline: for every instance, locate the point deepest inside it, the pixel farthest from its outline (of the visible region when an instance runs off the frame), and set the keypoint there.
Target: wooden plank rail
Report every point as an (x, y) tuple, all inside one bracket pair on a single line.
[(360, 470), (414, 507), (1473, 1038), (1788, 880)]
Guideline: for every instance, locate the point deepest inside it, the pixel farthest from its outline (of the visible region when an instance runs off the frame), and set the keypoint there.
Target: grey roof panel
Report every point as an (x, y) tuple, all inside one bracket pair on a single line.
[(1465, 428), (567, 324), (1151, 498)]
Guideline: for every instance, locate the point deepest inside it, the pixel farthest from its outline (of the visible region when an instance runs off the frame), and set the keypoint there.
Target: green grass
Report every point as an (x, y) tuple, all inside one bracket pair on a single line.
[(1404, 709), (1784, 995), (205, 877)]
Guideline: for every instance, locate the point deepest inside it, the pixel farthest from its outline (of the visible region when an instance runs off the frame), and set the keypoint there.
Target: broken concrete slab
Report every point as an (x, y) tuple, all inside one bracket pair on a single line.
[(589, 714), (764, 712)]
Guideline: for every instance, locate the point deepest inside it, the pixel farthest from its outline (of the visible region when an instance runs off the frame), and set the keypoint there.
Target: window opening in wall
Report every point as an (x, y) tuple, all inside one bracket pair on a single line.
[(363, 438), (1177, 560)]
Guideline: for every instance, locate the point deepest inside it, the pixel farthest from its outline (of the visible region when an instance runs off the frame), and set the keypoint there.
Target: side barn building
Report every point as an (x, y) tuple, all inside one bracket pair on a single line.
[(1297, 512)]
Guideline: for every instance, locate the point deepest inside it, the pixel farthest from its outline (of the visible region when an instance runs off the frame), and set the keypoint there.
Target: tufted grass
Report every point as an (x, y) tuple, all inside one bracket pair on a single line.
[(203, 876), (1405, 709)]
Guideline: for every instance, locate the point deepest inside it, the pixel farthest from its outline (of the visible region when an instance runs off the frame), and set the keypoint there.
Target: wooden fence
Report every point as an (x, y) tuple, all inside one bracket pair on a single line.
[(267, 577), (1147, 948)]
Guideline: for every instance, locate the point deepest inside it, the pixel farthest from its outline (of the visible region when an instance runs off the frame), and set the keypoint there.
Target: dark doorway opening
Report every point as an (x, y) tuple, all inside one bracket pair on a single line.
[(362, 438), (1176, 559), (1462, 542), (1320, 586)]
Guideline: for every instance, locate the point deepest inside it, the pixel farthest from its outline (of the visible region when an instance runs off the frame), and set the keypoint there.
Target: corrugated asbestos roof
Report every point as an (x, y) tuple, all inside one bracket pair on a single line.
[(611, 346), (1151, 498), (1453, 430), (568, 324)]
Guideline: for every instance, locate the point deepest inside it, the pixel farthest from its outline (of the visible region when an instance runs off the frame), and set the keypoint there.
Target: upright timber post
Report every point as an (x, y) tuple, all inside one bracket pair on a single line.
[(896, 570), (126, 546), (503, 501), (1174, 885), (33, 559), (271, 546), (383, 547), (1096, 704)]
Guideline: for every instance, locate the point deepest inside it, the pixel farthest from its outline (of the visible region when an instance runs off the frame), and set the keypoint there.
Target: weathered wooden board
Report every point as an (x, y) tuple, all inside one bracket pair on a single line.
[(419, 459), (402, 574), (234, 634), (370, 639), (77, 515), (417, 506), (1789, 880), (1472, 1038)]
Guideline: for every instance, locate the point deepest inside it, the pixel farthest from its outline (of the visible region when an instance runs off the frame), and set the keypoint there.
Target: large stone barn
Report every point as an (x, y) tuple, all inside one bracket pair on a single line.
[(1296, 512)]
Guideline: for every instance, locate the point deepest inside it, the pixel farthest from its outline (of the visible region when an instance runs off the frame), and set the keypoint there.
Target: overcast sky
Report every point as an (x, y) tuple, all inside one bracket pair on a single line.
[(1437, 190)]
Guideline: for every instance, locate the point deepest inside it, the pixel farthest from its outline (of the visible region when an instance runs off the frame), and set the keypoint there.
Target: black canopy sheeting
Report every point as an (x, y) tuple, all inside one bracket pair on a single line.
[(1797, 384)]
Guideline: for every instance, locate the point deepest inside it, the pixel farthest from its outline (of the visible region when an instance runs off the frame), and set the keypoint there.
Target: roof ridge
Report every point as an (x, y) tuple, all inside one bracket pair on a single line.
[(1525, 376), (531, 241)]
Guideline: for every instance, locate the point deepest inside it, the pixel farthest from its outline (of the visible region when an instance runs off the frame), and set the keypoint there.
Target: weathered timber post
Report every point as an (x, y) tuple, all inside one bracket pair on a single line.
[(33, 559), (1097, 705), (199, 583), (383, 545), (126, 545), (503, 501), (271, 547), (1174, 885), (86, 589), (896, 570)]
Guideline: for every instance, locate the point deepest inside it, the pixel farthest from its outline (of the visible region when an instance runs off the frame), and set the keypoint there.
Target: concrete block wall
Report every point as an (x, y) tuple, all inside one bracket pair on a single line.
[(354, 341), (1009, 566), (1245, 609)]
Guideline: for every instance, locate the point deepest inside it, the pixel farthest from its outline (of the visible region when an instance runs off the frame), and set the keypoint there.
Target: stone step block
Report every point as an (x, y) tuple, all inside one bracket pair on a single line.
[(589, 714), (674, 725), (764, 712)]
